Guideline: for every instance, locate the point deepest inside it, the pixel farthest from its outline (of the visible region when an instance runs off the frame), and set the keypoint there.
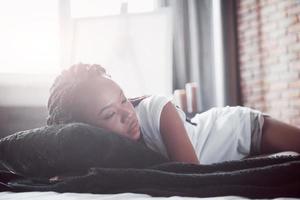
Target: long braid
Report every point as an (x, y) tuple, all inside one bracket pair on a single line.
[(64, 90)]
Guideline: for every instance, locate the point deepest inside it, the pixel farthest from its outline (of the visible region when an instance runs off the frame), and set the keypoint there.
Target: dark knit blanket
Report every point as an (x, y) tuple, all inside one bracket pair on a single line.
[(252, 178)]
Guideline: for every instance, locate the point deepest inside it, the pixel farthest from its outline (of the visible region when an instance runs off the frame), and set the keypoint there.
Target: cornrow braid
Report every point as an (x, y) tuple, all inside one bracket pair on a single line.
[(64, 90)]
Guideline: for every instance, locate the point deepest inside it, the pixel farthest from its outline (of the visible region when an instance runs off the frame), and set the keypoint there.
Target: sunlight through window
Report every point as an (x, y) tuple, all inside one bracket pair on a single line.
[(97, 8), (29, 36)]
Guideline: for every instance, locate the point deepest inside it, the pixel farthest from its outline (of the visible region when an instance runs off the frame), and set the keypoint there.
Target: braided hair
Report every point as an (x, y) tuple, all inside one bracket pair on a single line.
[(65, 90)]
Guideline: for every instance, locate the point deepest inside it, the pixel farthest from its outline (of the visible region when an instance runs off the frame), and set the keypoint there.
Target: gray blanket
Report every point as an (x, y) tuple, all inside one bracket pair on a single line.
[(253, 178)]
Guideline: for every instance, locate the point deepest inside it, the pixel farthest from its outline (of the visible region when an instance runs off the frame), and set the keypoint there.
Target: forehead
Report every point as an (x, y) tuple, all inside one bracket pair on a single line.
[(93, 95), (104, 90)]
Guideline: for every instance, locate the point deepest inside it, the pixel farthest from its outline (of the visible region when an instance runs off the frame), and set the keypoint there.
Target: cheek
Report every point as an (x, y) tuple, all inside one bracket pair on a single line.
[(131, 109), (114, 125)]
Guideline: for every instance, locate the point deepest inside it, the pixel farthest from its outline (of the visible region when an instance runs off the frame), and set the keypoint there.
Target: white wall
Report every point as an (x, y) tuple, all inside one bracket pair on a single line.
[(24, 89)]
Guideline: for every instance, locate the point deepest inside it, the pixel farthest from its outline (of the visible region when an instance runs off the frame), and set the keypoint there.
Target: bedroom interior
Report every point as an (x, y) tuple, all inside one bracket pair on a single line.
[(201, 53)]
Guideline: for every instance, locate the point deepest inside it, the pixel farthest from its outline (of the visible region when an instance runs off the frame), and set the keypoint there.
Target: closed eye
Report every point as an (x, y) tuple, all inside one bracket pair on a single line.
[(124, 101), (109, 116)]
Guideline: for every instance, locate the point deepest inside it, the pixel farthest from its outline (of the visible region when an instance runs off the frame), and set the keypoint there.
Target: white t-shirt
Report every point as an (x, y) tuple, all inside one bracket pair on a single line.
[(221, 134)]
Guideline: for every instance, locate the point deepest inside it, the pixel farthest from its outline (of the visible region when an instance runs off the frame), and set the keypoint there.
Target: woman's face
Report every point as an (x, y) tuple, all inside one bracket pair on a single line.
[(110, 109)]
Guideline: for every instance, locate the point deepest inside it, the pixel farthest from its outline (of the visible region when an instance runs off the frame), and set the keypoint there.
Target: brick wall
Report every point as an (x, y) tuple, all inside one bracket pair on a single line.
[(269, 56)]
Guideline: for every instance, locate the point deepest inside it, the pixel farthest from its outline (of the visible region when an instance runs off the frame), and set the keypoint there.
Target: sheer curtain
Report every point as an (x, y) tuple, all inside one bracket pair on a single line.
[(197, 57), (193, 47), (160, 51), (135, 48)]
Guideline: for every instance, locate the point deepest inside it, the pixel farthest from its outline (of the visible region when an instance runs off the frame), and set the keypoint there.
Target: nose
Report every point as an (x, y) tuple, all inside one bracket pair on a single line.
[(125, 114)]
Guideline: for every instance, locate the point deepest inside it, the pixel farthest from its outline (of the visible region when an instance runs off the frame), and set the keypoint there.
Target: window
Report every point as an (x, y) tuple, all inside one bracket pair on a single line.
[(29, 36), (96, 8), (32, 49), (132, 39)]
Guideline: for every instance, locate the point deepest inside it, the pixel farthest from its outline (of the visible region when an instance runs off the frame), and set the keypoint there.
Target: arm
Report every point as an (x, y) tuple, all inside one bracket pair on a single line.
[(174, 135)]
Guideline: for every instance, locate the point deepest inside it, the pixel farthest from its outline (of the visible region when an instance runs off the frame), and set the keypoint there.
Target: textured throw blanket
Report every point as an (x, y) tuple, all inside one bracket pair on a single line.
[(253, 178)]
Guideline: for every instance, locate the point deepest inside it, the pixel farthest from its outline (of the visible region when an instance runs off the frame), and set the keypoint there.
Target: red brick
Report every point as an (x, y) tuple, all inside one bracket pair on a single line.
[(268, 10), (289, 76), (265, 86), (251, 33), (270, 57), (295, 84), (293, 10), (274, 113), (242, 37), (295, 122), (264, 20), (295, 103), (244, 26), (287, 21), (256, 98), (247, 90), (254, 24), (276, 69), (244, 85), (246, 76), (271, 60), (272, 26), (295, 28), (278, 52), (243, 11), (294, 47), (252, 51), (295, 65), (259, 106), (290, 113), (250, 41), (263, 3), (257, 83), (279, 104), (279, 86), (244, 58), (272, 95), (278, 34), (288, 94), (250, 16), (285, 4), (272, 77), (277, 16), (288, 39), (256, 92), (269, 44), (287, 58), (244, 4), (263, 54)]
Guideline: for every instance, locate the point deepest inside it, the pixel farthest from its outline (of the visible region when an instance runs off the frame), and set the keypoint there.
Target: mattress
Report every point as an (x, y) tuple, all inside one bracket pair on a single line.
[(81, 196)]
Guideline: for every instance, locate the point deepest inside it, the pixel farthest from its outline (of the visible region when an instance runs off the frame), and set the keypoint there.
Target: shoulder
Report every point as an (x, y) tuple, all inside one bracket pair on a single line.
[(154, 103), (149, 113), (149, 109)]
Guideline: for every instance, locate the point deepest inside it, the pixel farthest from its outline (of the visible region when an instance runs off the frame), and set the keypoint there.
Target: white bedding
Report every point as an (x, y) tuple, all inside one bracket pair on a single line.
[(81, 196)]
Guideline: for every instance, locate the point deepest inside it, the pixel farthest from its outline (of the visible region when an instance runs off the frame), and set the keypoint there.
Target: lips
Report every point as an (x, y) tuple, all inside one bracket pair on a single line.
[(133, 128), (133, 125)]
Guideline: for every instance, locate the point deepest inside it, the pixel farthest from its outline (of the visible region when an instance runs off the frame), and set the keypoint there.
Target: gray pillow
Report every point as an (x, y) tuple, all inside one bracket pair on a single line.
[(71, 149)]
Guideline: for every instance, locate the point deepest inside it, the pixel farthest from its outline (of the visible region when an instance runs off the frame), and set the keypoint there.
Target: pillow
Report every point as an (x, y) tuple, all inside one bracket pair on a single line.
[(71, 149)]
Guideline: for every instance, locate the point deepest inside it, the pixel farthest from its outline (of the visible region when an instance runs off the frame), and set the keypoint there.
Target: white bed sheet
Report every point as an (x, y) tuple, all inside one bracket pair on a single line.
[(84, 196)]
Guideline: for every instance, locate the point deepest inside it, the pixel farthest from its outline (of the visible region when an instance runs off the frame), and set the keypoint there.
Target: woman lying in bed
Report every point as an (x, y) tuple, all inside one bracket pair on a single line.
[(85, 93)]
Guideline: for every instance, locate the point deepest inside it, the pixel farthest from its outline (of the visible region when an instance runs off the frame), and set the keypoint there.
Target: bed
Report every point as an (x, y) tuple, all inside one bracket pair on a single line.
[(46, 163), (121, 196)]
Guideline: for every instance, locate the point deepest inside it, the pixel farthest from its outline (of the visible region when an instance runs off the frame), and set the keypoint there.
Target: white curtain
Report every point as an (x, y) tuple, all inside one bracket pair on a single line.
[(136, 49)]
